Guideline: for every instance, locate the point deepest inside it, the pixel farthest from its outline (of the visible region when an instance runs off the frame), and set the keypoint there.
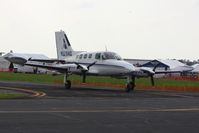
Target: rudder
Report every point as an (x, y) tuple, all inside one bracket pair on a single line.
[(63, 45)]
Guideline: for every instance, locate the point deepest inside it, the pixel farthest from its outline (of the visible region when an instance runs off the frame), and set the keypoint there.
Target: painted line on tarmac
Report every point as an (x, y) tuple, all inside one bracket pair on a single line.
[(103, 111), (172, 95), (33, 93)]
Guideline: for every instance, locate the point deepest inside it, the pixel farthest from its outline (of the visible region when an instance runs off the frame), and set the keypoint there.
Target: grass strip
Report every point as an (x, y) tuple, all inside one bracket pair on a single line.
[(11, 96), (45, 78)]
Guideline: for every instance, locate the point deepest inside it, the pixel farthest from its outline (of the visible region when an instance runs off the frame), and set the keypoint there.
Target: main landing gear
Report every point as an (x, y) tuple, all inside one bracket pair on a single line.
[(130, 84), (67, 83), (129, 87)]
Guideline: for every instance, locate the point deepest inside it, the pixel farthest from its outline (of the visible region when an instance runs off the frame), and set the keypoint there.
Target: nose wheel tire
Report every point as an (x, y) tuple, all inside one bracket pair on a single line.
[(67, 84), (130, 87)]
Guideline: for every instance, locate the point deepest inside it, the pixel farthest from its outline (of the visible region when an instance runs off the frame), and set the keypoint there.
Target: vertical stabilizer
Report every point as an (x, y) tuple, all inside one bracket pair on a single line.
[(64, 48)]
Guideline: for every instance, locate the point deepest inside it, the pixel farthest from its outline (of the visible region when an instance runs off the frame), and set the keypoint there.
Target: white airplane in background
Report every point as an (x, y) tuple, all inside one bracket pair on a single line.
[(21, 58), (102, 63)]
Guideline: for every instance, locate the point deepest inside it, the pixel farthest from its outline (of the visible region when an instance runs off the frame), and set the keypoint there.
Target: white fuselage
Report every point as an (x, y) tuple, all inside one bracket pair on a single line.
[(107, 64)]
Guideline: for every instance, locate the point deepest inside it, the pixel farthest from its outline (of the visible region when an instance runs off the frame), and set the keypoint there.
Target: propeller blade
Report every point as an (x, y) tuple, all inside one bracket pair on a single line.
[(152, 80), (82, 67), (91, 64), (84, 77), (157, 65), (30, 59), (78, 66)]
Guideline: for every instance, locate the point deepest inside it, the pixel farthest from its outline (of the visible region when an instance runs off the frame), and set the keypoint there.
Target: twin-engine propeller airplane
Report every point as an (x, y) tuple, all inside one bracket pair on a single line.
[(103, 63)]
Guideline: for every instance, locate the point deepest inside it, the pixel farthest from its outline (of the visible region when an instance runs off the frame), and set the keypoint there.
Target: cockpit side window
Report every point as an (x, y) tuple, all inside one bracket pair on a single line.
[(97, 56), (110, 55), (118, 57)]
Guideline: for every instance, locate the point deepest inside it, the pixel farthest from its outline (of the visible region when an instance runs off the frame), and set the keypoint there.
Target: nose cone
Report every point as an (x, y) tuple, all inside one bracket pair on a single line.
[(128, 66), (125, 66)]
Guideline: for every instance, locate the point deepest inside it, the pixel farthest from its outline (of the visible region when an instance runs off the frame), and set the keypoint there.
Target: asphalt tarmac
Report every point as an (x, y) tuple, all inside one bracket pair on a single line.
[(96, 110)]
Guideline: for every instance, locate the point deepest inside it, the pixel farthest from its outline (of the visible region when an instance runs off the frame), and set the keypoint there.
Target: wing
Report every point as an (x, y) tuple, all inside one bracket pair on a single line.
[(63, 67), (58, 67), (47, 61)]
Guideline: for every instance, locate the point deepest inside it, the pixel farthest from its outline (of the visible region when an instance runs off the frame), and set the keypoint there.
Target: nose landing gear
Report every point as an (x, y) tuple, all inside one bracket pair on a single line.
[(67, 84)]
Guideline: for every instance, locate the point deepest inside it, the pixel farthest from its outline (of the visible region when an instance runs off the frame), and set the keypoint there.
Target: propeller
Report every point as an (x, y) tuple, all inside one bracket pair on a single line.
[(84, 69)]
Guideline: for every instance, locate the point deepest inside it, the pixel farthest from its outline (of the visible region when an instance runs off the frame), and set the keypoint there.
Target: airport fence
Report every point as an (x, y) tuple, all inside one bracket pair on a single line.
[(191, 78), (6, 70), (170, 88), (138, 87)]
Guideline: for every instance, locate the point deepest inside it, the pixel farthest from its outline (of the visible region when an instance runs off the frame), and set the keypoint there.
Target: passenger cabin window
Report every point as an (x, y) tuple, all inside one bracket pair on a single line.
[(80, 57), (90, 56), (97, 56), (85, 56)]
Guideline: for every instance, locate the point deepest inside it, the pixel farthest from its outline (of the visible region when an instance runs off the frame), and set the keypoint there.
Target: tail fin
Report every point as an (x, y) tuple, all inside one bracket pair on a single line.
[(64, 48)]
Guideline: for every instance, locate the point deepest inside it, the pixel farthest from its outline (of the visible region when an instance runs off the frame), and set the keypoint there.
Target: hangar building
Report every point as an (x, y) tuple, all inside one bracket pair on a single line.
[(164, 64), (167, 64)]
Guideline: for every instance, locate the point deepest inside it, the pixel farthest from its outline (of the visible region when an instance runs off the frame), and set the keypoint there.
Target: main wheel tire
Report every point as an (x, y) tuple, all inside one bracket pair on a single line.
[(130, 86), (68, 84)]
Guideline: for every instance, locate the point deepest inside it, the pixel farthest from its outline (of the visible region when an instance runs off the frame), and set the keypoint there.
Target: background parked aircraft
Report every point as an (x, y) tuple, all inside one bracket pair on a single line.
[(18, 59)]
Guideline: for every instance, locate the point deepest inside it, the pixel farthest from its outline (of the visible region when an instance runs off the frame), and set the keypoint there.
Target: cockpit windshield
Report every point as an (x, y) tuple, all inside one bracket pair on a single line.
[(111, 55)]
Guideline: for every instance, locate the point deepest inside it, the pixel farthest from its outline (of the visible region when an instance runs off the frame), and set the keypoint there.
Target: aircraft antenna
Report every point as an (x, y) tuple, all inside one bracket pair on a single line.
[(106, 48)]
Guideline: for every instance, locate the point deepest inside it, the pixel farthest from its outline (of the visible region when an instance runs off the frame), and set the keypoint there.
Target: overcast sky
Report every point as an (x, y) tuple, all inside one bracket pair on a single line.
[(144, 29)]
